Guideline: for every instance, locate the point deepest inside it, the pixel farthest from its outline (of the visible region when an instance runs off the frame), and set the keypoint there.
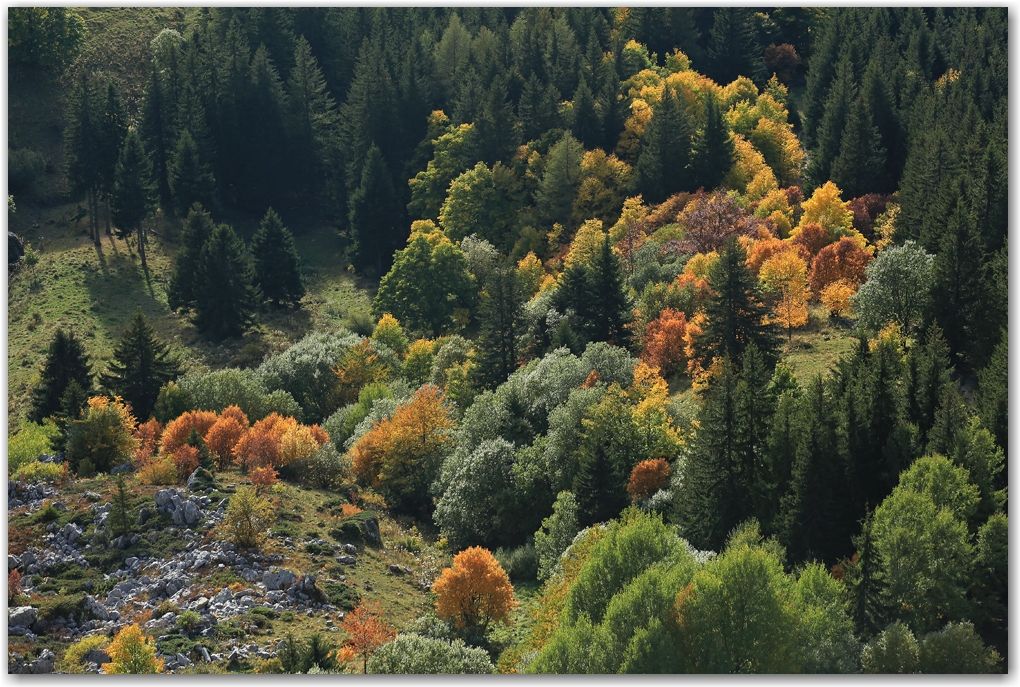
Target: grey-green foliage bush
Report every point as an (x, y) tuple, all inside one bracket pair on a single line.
[(340, 425), (305, 370), (327, 468), (520, 562), (895, 650), (477, 501), (381, 409), (650, 266), (557, 533), (453, 351), (957, 649), (222, 388), (412, 654), (898, 288), (481, 255)]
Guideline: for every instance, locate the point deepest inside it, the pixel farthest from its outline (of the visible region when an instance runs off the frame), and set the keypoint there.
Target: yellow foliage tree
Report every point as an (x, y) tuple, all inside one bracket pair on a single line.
[(784, 276), (297, 442), (132, 653), (586, 244), (700, 263), (530, 271), (248, 517), (825, 207), (418, 362), (389, 332), (836, 297), (475, 592)]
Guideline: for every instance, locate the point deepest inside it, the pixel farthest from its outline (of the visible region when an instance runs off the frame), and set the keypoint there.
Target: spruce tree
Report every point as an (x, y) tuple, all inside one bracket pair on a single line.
[(82, 149), (156, 132), (500, 316), (664, 166), (928, 371), (72, 405), (611, 109), (585, 123), (606, 455), (225, 295), (859, 167), (121, 509), (190, 180), (198, 227), (66, 360), (840, 99), (733, 46), (494, 137), (112, 130), (141, 365), (735, 311), (133, 194), (555, 195), (374, 216), (713, 153), (264, 177), (755, 408), (313, 113), (276, 262), (993, 393), (866, 582), (609, 312)]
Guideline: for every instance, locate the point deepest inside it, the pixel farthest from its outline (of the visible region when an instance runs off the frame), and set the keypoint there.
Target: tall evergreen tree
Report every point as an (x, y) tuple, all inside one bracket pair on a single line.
[(276, 262), (664, 166), (190, 180), (141, 365), (198, 227), (500, 316), (66, 362), (611, 109), (495, 132), (374, 216), (609, 311), (264, 177), (112, 130), (156, 131), (133, 194), (866, 582), (755, 408), (735, 312), (225, 297), (554, 197), (860, 165), (993, 393), (713, 153), (830, 129), (734, 47), (584, 118), (603, 466), (313, 113), (928, 371), (82, 148)]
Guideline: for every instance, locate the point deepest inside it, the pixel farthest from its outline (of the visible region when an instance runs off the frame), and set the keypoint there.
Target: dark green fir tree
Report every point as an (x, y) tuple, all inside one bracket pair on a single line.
[(198, 227), (133, 197), (713, 153), (66, 361), (276, 262), (225, 296), (501, 313), (374, 215), (141, 365), (190, 180)]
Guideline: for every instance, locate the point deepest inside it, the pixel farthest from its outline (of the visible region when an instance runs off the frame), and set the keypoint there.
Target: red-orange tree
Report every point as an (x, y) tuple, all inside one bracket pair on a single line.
[(648, 477), (841, 260), (366, 631), (665, 347), (475, 592)]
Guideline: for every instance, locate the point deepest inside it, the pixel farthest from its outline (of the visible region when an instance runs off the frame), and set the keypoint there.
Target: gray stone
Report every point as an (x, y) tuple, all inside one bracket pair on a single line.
[(22, 616), (125, 467), (278, 578), (396, 569), (13, 562), (350, 549), (183, 660), (224, 596), (96, 656), (97, 609), (346, 560), (370, 530)]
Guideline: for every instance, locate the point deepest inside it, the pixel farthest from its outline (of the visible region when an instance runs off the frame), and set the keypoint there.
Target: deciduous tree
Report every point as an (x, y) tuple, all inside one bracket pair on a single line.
[(475, 592)]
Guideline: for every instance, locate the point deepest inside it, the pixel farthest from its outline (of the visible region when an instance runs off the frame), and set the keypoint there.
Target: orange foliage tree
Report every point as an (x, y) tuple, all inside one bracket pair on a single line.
[(665, 347), (260, 445), (148, 434), (767, 248), (263, 478), (784, 276), (222, 437), (178, 429), (186, 459), (841, 260), (813, 237), (366, 631), (475, 591), (648, 477), (401, 454), (297, 442)]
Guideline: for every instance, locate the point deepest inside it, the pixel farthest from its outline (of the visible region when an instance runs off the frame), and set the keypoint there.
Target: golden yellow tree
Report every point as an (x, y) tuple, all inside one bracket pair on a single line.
[(475, 592), (133, 653), (784, 277), (248, 517)]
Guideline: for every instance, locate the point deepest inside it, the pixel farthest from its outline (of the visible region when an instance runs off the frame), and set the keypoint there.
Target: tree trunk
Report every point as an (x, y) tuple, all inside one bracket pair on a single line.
[(108, 214), (141, 245), (94, 215)]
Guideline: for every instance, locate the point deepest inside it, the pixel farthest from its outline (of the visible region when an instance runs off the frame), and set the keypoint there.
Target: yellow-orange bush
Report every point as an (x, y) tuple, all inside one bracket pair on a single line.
[(836, 297), (648, 477), (222, 437), (237, 414), (158, 471), (297, 443), (263, 478), (178, 429), (349, 509), (148, 434), (186, 459), (131, 652), (475, 592)]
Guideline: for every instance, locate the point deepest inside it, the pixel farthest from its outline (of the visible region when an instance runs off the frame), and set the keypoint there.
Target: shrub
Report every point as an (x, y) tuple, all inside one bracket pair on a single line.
[(248, 517), (360, 365), (327, 468), (177, 431), (231, 387), (132, 653), (158, 472), (188, 621), (263, 478), (72, 660), (520, 563), (41, 472), (185, 460), (412, 654), (297, 442), (269, 666), (223, 436), (105, 436), (30, 441)]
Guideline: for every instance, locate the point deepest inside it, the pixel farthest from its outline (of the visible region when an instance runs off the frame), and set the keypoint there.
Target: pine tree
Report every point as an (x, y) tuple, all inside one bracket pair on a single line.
[(276, 262), (708, 505), (112, 130), (265, 179), (141, 365), (735, 311), (132, 198), (374, 215), (66, 361), (495, 131), (610, 107), (585, 123), (866, 583), (830, 130), (609, 312), (601, 481), (190, 180), (198, 227), (121, 509), (664, 166), (313, 113), (225, 297), (713, 154), (993, 393), (72, 405), (157, 134), (861, 162), (82, 149), (755, 408), (734, 49), (500, 316), (928, 371)]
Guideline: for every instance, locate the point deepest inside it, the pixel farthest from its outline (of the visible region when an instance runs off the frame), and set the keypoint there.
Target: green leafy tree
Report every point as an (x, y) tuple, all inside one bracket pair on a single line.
[(428, 282), (484, 202), (141, 365), (225, 297), (898, 288), (102, 438), (198, 227), (276, 261), (190, 179), (736, 311), (132, 199), (66, 361), (556, 534)]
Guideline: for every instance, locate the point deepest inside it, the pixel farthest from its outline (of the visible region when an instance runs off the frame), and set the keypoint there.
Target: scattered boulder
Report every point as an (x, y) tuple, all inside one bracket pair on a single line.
[(22, 616), (125, 467), (93, 606), (370, 531), (278, 578)]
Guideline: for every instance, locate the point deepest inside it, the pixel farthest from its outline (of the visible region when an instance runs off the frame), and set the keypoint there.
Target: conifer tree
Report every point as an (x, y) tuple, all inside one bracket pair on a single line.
[(610, 108), (993, 393), (735, 311), (82, 148), (276, 262), (663, 168), (225, 297), (66, 361), (121, 509), (190, 179), (264, 178), (734, 48), (830, 130), (112, 130), (555, 195), (601, 479), (313, 113), (132, 198), (928, 371), (713, 154), (866, 583), (755, 408), (374, 215), (495, 131), (72, 404), (141, 365), (198, 227), (585, 123), (609, 311), (157, 134), (500, 316), (859, 167)]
